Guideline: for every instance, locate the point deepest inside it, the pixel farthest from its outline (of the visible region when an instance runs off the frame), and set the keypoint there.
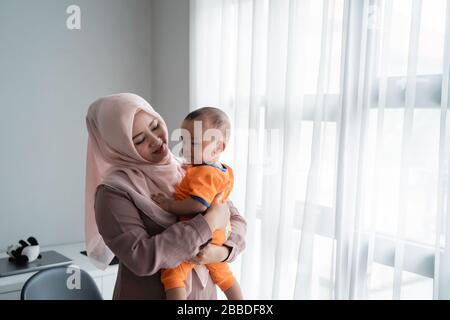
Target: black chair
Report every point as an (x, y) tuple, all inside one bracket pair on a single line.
[(52, 284)]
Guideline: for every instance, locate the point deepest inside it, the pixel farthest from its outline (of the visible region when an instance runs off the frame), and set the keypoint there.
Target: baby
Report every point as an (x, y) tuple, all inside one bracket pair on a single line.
[(205, 178)]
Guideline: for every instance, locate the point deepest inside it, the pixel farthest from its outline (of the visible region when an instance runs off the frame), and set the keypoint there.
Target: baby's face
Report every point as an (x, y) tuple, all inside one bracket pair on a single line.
[(201, 143)]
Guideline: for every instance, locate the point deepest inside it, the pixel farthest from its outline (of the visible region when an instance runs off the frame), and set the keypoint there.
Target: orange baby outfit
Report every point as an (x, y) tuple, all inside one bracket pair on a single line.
[(203, 182)]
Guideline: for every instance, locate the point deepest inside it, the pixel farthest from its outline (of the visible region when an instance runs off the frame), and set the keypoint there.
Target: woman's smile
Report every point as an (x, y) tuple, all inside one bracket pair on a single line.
[(160, 149)]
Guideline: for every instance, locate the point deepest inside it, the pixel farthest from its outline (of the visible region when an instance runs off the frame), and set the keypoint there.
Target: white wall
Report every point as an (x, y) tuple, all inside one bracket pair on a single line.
[(170, 60), (48, 77)]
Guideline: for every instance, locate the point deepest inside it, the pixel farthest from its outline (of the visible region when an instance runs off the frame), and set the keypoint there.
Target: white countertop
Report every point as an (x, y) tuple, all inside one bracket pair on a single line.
[(71, 251)]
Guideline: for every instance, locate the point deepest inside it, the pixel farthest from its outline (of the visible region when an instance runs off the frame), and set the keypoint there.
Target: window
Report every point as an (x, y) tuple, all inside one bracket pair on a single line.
[(340, 148)]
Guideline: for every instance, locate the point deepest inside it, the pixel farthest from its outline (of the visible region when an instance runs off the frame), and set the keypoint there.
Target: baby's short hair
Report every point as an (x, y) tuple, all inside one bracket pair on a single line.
[(215, 117)]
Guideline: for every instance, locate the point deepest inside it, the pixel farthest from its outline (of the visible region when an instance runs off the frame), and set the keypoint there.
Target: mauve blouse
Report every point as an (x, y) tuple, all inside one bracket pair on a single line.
[(144, 247)]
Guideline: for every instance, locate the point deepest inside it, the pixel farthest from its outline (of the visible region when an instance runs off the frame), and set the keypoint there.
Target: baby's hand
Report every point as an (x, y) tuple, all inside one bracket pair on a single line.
[(162, 201)]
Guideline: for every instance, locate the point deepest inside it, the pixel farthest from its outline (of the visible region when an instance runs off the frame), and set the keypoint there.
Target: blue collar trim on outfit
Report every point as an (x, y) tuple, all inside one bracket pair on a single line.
[(222, 168)]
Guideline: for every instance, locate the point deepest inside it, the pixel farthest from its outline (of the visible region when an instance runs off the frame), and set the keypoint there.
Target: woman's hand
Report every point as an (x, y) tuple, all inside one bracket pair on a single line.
[(218, 215), (211, 254)]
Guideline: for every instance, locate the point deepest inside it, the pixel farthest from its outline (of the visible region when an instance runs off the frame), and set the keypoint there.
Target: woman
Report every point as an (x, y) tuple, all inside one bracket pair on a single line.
[(127, 161)]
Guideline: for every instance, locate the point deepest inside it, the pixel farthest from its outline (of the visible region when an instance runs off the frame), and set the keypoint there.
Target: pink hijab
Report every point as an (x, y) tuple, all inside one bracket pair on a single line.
[(113, 160)]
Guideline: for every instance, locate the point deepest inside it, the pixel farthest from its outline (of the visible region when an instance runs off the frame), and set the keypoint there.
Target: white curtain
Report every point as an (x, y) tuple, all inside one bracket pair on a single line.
[(340, 141)]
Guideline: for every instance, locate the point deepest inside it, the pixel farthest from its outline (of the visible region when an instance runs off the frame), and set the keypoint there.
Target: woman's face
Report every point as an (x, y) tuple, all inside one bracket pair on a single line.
[(150, 137)]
